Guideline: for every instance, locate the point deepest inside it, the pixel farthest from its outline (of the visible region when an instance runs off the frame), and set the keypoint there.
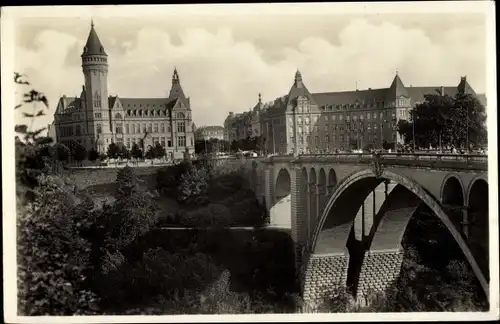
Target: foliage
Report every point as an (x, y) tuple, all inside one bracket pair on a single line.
[(53, 258), (77, 151), (168, 179), (193, 186), (93, 154), (113, 151), (214, 215), (124, 152), (446, 120), (136, 152), (150, 153), (159, 151)]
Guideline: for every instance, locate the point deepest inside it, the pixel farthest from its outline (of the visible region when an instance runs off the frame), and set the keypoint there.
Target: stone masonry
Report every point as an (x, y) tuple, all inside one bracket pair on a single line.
[(379, 270), (325, 275)]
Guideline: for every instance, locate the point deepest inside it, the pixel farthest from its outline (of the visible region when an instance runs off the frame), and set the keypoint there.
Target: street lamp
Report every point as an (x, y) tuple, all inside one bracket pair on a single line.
[(413, 122)]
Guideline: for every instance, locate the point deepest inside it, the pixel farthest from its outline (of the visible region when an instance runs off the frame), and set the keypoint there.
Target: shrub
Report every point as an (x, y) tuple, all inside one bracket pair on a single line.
[(214, 215), (53, 256), (193, 186), (168, 179)]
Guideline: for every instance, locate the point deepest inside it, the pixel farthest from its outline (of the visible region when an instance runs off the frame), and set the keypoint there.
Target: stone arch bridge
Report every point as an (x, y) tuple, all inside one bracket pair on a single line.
[(371, 198)]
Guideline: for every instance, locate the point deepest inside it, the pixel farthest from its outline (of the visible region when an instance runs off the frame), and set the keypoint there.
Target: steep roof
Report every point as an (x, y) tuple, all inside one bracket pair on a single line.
[(397, 89), (68, 104), (143, 103), (464, 87), (93, 45), (210, 128), (299, 89), (349, 97), (176, 90)]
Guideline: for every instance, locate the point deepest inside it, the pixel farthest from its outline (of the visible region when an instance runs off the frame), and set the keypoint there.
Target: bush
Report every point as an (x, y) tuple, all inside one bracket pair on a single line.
[(53, 257), (214, 215), (193, 186), (168, 179)]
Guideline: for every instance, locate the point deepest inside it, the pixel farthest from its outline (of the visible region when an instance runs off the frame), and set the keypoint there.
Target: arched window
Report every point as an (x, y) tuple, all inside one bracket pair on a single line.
[(129, 112), (180, 115), (118, 116), (140, 112)]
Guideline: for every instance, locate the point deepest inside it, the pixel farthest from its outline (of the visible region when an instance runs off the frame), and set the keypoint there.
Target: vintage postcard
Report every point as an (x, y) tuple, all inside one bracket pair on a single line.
[(250, 162)]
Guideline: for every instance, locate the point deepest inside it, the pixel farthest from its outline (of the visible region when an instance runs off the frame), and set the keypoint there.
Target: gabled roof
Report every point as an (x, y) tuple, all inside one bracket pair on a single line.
[(112, 101), (299, 89), (397, 89), (464, 87), (93, 45), (176, 90), (68, 104)]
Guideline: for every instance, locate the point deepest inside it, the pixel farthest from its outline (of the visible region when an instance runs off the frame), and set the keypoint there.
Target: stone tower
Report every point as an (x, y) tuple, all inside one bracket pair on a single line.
[(95, 92)]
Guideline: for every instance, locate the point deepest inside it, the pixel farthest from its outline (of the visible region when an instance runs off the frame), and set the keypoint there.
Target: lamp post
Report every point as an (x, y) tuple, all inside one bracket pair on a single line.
[(413, 122)]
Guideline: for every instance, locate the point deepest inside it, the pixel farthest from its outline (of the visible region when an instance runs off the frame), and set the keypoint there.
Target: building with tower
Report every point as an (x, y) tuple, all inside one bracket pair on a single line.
[(96, 119), (306, 122)]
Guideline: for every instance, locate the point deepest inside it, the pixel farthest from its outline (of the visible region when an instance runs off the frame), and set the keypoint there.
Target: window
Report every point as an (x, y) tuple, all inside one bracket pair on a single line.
[(291, 139), (361, 117), (299, 120), (169, 143), (163, 141), (315, 119), (181, 128), (98, 115), (133, 128), (155, 128), (368, 116), (348, 118), (118, 116), (327, 139), (181, 141), (354, 117), (126, 129), (144, 128), (78, 130), (341, 117), (162, 128), (300, 129), (326, 128), (180, 115), (150, 128), (301, 139), (334, 117), (119, 129)]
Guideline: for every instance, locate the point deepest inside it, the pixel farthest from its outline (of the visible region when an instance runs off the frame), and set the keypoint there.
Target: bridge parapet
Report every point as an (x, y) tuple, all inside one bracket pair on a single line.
[(438, 161)]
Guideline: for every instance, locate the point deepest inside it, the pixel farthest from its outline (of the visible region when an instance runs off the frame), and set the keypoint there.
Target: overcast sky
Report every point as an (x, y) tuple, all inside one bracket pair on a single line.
[(225, 60)]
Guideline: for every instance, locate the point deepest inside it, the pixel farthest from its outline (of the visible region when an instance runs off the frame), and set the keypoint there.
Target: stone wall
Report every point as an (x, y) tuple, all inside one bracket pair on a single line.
[(84, 178), (324, 276), (379, 270)]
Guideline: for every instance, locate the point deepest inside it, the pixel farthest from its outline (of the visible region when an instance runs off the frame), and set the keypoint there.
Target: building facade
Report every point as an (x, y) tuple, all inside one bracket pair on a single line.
[(96, 119), (238, 126), (206, 133), (305, 122)]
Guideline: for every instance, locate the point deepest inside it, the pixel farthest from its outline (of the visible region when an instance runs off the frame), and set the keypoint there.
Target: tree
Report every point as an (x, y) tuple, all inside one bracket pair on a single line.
[(93, 155), (124, 152), (235, 145), (136, 152), (446, 121), (159, 151), (150, 153), (60, 152), (113, 151), (78, 151)]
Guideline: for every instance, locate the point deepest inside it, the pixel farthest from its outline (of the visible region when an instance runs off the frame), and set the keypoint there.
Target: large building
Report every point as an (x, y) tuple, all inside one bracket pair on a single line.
[(209, 132), (305, 122), (96, 119)]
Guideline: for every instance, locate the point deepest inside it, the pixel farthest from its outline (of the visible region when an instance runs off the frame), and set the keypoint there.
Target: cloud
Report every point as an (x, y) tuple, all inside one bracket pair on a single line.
[(223, 73)]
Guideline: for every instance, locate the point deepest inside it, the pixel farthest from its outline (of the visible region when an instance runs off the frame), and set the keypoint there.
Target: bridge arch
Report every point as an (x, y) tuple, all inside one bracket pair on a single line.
[(332, 231), (283, 184), (478, 221), (313, 203), (332, 178), (452, 191)]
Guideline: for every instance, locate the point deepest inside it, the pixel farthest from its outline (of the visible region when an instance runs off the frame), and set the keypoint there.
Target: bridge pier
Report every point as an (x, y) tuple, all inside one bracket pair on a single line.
[(379, 270), (325, 277)]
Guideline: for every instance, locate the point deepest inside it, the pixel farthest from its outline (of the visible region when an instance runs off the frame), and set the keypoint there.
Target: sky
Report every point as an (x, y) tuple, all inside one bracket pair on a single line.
[(225, 60)]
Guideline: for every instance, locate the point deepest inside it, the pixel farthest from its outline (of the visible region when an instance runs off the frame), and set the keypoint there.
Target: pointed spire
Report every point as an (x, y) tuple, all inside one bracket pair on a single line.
[(464, 86), (93, 45), (298, 79), (397, 88), (176, 90)]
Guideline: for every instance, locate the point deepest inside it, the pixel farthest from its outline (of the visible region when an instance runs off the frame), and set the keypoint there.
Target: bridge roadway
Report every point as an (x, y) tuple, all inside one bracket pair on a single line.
[(376, 194)]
